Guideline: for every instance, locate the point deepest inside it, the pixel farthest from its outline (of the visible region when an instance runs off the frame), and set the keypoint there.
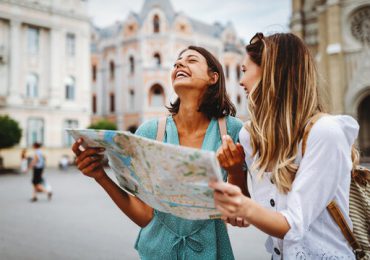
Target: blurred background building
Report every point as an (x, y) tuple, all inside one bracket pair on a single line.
[(45, 71), (58, 70), (338, 34), (132, 61)]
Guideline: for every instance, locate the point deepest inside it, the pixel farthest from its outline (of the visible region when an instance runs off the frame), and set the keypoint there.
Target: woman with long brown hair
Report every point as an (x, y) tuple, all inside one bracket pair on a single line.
[(199, 82), (289, 191)]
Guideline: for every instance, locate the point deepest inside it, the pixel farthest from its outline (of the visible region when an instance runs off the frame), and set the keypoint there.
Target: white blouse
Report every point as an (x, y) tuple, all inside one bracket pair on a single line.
[(323, 175)]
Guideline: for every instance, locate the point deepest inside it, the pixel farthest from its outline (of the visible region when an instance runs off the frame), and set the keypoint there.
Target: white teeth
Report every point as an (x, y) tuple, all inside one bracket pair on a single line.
[(181, 74)]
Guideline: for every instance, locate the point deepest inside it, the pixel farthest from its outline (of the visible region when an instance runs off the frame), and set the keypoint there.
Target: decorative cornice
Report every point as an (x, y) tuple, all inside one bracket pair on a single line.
[(47, 9)]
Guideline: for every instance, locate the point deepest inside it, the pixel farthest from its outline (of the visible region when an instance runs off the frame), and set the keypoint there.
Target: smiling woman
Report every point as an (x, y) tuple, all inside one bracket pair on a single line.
[(199, 82)]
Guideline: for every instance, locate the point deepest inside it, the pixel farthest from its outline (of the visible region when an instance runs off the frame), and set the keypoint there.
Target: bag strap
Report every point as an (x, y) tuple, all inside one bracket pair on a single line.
[(338, 217), (162, 127), (333, 208), (222, 126)]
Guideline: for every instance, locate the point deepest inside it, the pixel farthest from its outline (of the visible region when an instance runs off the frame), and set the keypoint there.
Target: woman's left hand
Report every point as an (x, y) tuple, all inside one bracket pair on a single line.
[(236, 222), (230, 155), (229, 200)]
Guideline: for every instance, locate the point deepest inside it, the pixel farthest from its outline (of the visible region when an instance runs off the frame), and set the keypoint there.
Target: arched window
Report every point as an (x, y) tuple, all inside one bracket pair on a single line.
[(111, 69), (94, 101), (112, 102), (132, 99), (227, 71), (156, 96), (94, 72), (238, 72), (132, 129), (35, 130), (70, 85), (156, 24), (364, 120), (238, 100), (132, 65), (157, 59), (69, 123), (32, 85)]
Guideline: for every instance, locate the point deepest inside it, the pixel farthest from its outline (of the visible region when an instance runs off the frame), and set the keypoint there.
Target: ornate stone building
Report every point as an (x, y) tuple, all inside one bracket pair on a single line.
[(44, 71), (132, 60), (338, 34)]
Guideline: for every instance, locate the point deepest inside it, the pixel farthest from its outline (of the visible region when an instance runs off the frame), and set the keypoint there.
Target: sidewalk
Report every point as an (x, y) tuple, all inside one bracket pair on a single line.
[(80, 222)]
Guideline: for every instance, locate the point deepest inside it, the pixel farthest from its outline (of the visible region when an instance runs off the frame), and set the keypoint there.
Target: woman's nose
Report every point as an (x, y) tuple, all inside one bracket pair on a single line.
[(179, 64)]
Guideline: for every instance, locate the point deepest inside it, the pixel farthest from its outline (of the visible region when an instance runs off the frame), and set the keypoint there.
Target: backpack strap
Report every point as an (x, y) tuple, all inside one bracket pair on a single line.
[(333, 208), (162, 127), (222, 126)]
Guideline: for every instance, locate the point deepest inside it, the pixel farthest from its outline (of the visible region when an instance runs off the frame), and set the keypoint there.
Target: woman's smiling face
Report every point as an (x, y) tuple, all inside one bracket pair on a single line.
[(191, 71)]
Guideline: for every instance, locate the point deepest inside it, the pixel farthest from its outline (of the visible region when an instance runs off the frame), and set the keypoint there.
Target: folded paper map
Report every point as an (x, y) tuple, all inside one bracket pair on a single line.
[(167, 177)]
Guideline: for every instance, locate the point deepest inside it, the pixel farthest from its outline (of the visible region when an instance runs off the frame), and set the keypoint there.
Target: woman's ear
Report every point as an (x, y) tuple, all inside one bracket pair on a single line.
[(214, 78)]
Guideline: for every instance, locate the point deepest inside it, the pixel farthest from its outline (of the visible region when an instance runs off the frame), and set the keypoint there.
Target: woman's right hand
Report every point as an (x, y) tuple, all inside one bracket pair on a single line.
[(89, 161)]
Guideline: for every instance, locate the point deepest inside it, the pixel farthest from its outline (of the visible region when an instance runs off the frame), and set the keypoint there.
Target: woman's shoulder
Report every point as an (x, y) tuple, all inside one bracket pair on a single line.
[(148, 129), (334, 128)]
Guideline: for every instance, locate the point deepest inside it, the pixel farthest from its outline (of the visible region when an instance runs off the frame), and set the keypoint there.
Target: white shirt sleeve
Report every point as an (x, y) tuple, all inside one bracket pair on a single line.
[(326, 161)]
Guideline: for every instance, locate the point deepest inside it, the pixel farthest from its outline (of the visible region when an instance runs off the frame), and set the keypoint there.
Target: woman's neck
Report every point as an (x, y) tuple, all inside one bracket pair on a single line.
[(189, 119)]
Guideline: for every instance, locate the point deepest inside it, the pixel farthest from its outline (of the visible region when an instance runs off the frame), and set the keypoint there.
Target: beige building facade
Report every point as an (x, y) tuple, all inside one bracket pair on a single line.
[(338, 34), (44, 72), (132, 61)]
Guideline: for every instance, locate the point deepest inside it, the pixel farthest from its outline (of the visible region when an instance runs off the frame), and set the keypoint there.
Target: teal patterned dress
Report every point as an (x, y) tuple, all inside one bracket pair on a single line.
[(171, 237)]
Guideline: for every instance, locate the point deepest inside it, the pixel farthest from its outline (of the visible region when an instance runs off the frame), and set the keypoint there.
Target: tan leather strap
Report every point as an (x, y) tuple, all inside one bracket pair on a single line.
[(338, 217), (162, 127), (222, 126)]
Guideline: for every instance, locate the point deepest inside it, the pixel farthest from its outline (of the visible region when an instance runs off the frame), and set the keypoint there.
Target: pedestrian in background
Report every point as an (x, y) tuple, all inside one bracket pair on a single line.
[(38, 166), (24, 161)]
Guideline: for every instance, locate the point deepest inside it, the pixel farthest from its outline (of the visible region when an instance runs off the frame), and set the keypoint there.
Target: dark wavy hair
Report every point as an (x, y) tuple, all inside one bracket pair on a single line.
[(215, 102)]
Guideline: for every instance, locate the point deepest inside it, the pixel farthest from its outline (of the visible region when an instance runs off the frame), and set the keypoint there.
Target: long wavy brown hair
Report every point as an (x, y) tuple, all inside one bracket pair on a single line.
[(281, 104)]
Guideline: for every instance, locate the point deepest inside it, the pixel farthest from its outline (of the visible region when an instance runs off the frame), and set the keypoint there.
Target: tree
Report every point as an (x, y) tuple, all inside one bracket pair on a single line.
[(104, 125), (10, 134)]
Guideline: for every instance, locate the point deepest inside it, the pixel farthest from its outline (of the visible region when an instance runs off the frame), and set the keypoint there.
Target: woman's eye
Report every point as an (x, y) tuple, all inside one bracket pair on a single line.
[(192, 60)]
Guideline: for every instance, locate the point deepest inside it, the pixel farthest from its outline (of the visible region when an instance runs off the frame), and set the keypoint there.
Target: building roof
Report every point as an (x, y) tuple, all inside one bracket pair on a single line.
[(213, 30), (164, 5)]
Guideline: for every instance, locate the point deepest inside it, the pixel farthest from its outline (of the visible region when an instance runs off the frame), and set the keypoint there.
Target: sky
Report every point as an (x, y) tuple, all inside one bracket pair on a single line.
[(247, 16)]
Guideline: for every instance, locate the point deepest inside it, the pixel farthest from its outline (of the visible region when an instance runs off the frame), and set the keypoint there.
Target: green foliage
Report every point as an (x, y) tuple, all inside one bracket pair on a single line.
[(103, 125), (10, 132)]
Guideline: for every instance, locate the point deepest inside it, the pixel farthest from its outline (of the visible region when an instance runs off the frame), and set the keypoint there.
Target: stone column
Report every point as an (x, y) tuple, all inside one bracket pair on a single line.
[(14, 92), (334, 50), (56, 80), (322, 57), (100, 81), (296, 22), (119, 92)]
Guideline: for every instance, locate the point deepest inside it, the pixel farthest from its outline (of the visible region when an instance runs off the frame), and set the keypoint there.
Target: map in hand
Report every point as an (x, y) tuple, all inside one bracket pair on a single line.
[(167, 177)]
